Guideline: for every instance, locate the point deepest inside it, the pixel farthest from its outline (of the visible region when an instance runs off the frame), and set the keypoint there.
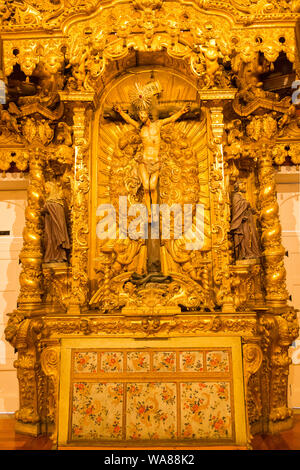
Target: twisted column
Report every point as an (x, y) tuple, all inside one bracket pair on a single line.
[(31, 254), (273, 251)]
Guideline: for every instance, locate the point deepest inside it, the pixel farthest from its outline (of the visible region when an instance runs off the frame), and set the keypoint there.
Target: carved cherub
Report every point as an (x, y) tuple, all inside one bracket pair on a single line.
[(234, 146), (7, 118), (64, 134)]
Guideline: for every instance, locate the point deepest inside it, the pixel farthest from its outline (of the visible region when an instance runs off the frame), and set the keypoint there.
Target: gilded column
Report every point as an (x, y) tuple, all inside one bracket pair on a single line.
[(281, 326), (220, 209), (79, 219), (273, 251), (31, 254)]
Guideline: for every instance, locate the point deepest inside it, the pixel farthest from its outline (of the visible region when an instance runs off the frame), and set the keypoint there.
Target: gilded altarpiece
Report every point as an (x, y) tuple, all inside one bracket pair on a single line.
[(152, 340)]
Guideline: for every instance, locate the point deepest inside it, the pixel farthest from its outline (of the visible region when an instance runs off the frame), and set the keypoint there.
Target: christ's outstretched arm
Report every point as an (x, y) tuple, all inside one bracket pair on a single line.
[(174, 116), (126, 117)]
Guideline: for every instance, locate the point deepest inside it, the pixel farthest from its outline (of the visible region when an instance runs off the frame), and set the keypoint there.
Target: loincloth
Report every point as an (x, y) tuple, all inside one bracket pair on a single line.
[(152, 166)]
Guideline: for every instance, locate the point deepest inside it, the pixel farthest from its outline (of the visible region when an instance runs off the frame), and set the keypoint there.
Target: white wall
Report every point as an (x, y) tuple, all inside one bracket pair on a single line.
[(288, 196), (12, 206)]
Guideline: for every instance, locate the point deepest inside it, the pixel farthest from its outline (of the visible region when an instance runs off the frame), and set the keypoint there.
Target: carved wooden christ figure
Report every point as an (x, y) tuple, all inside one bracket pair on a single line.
[(149, 164), (56, 233), (245, 238)]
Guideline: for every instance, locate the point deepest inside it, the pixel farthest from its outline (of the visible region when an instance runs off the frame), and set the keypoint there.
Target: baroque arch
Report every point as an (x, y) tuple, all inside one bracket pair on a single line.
[(116, 173)]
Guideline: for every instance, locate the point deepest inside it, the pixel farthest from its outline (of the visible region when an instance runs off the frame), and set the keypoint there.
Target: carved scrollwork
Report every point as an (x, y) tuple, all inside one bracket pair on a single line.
[(252, 356), (50, 361)]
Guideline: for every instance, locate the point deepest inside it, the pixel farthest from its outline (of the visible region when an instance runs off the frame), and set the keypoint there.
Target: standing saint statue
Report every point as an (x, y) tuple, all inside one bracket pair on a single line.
[(56, 233), (246, 245), (149, 131)]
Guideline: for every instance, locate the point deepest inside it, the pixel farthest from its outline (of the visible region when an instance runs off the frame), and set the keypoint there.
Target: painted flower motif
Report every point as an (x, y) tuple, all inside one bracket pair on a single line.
[(202, 385), (116, 428), (191, 361), (133, 389), (205, 413), (138, 361), (222, 391), (135, 435), (187, 431), (76, 431), (117, 390), (164, 361), (151, 412), (82, 388), (111, 361), (79, 386), (217, 361), (97, 415), (167, 395), (85, 362), (89, 410), (220, 425)]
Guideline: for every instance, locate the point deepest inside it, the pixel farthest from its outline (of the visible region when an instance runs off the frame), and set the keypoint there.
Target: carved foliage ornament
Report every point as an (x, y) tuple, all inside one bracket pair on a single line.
[(280, 153), (207, 43), (33, 14)]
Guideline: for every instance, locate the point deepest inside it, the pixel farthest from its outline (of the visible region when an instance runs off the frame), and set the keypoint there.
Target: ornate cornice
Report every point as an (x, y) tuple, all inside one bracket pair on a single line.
[(45, 16)]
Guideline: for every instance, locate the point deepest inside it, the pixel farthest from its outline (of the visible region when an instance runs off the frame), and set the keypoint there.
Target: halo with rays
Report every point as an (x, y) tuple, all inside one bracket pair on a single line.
[(140, 97)]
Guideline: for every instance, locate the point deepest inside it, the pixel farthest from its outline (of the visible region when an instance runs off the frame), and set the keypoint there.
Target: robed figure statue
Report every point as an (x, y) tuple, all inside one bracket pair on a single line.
[(243, 229), (56, 234)]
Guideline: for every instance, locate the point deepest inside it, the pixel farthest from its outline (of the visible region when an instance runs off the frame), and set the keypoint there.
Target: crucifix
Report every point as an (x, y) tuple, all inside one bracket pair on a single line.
[(150, 135), (149, 165)]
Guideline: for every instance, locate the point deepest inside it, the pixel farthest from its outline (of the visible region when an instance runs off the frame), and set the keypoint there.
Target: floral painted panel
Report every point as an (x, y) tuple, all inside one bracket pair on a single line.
[(217, 361), (206, 411), (85, 362), (191, 361), (170, 409), (151, 411), (97, 411), (164, 361), (111, 361), (138, 361)]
